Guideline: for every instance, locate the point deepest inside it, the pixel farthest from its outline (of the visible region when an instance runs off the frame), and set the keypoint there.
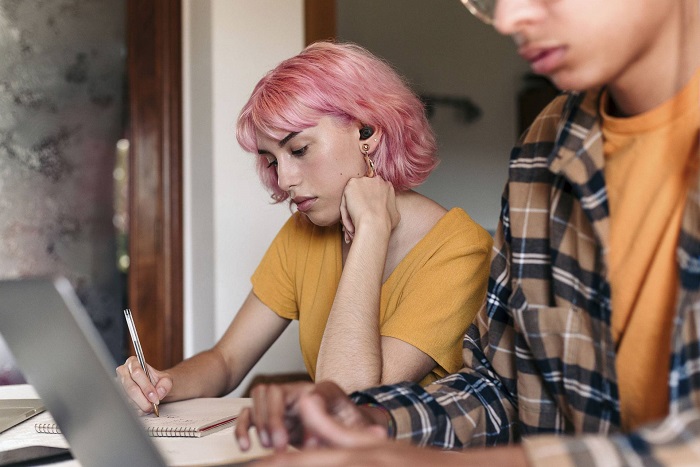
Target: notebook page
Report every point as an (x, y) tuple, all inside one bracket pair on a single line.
[(189, 418), (194, 417)]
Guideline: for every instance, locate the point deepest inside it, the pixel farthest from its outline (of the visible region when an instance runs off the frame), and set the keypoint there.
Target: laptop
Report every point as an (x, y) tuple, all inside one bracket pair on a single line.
[(63, 357), (15, 411)]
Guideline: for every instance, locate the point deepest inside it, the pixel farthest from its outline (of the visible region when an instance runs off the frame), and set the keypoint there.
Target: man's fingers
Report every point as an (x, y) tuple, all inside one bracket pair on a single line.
[(241, 431), (276, 410), (338, 404), (331, 429), (260, 405), (315, 458)]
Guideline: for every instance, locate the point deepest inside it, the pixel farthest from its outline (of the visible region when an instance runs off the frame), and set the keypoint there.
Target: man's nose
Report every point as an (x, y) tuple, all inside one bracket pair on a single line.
[(510, 16)]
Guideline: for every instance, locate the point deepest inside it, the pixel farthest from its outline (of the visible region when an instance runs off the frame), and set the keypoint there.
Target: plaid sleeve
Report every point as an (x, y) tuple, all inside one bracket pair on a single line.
[(674, 441), (477, 406)]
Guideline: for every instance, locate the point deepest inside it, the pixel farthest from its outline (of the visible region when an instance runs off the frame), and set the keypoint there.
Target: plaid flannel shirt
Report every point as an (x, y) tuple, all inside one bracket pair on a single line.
[(540, 358)]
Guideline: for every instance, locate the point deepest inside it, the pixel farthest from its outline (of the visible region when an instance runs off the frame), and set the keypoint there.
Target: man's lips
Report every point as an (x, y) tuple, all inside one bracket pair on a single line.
[(543, 60), (304, 203)]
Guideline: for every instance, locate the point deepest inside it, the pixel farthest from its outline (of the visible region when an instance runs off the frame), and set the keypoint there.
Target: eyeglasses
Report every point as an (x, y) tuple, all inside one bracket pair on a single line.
[(482, 9)]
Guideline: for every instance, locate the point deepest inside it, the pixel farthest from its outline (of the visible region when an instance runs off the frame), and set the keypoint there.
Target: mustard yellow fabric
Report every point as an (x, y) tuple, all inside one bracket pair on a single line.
[(649, 161), (428, 301)]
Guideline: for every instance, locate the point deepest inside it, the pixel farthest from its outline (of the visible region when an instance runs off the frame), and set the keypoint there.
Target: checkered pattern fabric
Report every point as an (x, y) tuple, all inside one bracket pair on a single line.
[(540, 358)]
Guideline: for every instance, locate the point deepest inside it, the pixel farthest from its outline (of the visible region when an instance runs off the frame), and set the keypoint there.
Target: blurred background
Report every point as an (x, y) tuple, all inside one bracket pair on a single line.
[(119, 166)]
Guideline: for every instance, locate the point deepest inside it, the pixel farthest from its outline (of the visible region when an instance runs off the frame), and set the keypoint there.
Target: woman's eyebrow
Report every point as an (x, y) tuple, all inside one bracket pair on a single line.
[(282, 142), (286, 139)]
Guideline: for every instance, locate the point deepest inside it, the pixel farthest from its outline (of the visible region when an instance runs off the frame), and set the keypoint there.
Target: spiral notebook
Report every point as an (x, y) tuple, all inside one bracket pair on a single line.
[(192, 418)]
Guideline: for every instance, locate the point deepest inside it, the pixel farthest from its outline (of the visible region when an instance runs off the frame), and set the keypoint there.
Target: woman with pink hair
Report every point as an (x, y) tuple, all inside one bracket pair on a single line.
[(383, 280)]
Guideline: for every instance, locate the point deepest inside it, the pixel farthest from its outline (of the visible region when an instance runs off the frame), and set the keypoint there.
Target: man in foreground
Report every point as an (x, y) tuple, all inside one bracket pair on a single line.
[(586, 351)]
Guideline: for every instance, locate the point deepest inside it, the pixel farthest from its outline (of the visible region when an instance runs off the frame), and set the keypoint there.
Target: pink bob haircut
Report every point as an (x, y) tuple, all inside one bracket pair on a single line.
[(347, 82)]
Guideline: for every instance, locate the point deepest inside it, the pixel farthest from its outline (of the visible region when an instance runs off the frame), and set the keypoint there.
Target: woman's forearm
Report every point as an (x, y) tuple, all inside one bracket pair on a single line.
[(219, 370), (350, 352), (203, 375)]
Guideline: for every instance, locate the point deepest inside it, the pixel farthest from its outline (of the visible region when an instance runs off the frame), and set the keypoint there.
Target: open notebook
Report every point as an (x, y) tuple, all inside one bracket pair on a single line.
[(190, 419)]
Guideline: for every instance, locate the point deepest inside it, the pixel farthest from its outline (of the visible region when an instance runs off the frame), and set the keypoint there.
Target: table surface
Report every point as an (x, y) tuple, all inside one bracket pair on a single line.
[(219, 448)]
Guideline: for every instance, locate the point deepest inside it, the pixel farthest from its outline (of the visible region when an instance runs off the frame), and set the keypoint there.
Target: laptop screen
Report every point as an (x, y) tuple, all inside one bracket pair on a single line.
[(61, 354), (14, 411)]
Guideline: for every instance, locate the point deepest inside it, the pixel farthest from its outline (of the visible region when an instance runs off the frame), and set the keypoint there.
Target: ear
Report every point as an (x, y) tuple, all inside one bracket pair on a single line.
[(372, 140)]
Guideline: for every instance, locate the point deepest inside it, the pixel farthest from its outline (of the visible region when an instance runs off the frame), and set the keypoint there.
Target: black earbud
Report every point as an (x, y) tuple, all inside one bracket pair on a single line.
[(366, 132)]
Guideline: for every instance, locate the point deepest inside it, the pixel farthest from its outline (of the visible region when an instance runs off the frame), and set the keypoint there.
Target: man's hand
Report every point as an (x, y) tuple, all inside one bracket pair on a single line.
[(309, 415), (398, 454)]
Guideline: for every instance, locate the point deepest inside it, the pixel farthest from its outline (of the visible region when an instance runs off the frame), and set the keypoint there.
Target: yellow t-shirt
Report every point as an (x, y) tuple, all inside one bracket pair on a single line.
[(428, 301), (649, 161)]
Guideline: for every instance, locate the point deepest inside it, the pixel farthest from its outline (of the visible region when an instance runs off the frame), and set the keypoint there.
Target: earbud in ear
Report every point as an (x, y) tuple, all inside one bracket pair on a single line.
[(366, 131)]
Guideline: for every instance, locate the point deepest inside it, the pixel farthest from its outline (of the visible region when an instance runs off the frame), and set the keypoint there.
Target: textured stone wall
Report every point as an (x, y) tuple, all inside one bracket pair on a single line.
[(62, 111)]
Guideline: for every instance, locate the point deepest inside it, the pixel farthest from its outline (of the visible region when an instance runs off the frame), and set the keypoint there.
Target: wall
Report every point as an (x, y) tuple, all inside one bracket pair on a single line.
[(443, 50), (62, 111), (229, 221)]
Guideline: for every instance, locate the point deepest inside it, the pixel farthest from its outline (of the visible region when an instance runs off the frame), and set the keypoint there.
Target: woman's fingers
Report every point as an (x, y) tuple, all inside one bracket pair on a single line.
[(370, 199), (141, 391), (346, 220)]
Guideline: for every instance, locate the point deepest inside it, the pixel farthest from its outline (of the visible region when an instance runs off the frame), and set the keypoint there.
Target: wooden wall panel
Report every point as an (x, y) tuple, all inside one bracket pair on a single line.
[(319, 20), (155, 123)]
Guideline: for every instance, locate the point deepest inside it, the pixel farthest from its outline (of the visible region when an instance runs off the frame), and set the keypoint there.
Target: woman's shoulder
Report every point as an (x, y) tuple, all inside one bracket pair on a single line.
[(455, 239), (458, 226), (419, 215), (434, 225)]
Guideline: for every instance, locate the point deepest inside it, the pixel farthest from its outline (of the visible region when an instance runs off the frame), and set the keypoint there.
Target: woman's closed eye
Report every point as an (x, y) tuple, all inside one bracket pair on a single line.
[(271, 163), (300, 151)]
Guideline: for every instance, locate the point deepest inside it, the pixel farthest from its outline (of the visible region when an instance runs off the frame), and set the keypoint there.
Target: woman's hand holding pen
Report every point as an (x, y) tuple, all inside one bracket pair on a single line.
[(368, 200), (141, 392)]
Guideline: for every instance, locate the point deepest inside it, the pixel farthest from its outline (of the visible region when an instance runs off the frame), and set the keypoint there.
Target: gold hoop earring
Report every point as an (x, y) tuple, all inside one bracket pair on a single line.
[(368, 160)]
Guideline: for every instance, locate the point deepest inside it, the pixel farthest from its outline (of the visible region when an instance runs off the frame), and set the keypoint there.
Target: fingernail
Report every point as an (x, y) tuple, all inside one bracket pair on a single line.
[(152, 397), (311, 442), (264, 438), (278, 439), (161, 392), (243, 443)]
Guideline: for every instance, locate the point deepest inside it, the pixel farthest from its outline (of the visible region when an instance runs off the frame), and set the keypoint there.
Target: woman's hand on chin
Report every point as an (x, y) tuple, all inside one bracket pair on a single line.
[(370, 203)]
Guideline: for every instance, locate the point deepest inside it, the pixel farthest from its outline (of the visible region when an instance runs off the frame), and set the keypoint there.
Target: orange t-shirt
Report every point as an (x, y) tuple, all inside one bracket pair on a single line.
[(428, 301), (649, 160)]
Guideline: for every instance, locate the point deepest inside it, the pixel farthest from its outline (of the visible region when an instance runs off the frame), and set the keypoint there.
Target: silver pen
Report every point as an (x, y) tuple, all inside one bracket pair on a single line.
[(139, 351)]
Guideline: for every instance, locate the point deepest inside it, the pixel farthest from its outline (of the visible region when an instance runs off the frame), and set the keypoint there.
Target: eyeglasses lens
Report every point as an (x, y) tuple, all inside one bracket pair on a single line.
[(482, 9)]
